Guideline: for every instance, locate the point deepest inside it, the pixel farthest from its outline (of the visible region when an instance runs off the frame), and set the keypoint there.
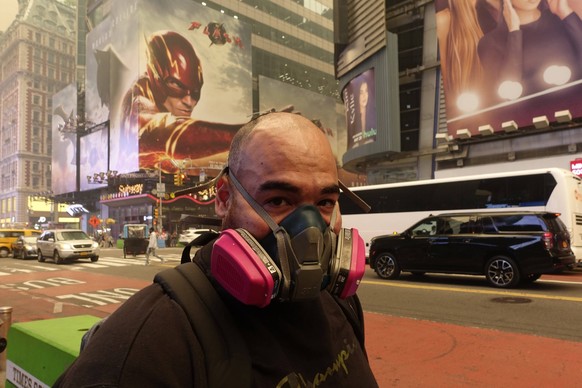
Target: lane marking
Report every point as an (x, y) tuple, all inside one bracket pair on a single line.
[(468, 291)]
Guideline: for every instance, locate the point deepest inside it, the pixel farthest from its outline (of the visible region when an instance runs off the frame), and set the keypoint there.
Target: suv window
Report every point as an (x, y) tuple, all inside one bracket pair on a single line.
[(45, 236), (519, 223)]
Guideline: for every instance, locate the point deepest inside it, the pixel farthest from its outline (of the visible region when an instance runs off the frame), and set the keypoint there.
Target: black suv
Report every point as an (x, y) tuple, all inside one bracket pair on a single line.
[(506, 247)]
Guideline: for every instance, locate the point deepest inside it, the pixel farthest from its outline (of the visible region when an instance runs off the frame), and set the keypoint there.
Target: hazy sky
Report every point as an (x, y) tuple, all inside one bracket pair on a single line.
[(9, 9)]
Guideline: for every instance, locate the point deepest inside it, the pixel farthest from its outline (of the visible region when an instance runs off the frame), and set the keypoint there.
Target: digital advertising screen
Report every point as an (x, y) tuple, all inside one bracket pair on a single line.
[(501, 65), (360, 106)]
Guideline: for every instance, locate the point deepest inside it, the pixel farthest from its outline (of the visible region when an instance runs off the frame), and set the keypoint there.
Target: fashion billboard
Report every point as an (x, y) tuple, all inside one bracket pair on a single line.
[(509, 65), (64, 146), (175, 82), (360, 105)]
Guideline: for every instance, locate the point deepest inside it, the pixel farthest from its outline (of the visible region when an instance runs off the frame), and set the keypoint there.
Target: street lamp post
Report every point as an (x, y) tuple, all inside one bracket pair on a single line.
[(161, 192)]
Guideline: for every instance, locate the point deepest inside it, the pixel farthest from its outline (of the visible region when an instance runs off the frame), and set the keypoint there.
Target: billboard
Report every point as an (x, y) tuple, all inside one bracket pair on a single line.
[(277, 94), (359, 96), (180, 83), (64, 141), (499, 67), (93, 159)]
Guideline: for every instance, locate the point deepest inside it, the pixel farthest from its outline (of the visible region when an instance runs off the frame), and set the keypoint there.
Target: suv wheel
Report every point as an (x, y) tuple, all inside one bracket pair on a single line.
[(502, 272), (58, 259), (40, 256), (94, 258), (386, 266)]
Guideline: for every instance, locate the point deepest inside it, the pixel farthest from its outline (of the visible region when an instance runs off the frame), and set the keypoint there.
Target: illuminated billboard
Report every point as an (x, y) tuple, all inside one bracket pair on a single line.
[(177, 81), (64, 146), (359, 98), (499, 69)]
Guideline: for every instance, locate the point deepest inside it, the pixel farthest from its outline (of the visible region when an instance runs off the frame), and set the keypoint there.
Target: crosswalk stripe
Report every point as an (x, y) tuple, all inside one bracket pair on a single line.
[(79, 265)]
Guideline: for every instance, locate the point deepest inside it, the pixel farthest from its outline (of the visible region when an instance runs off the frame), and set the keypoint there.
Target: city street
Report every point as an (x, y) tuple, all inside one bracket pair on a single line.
[(432, 331)]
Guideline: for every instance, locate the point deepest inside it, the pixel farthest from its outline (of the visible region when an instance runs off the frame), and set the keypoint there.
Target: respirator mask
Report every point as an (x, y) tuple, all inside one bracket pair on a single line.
[(299, 258)]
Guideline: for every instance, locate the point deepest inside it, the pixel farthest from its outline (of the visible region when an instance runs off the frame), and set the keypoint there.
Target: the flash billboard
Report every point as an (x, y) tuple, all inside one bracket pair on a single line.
[(177, 81)]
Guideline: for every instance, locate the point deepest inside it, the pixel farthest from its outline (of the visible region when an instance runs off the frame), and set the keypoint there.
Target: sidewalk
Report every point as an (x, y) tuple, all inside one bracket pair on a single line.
[(405, 352)]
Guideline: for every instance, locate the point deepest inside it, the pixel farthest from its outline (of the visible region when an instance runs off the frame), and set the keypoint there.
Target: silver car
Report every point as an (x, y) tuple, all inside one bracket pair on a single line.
[(66, 244)]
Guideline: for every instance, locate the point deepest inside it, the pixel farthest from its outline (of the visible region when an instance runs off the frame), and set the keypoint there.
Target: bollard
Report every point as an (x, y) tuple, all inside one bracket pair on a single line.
[(5, 322)]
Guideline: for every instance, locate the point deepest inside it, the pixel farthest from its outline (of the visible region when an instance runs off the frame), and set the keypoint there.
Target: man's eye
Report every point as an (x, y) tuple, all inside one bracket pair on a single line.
[(277, 202), (327, 203)]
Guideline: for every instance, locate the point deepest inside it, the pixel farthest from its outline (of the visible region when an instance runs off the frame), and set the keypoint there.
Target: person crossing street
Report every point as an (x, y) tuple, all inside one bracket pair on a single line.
[(152, 246)]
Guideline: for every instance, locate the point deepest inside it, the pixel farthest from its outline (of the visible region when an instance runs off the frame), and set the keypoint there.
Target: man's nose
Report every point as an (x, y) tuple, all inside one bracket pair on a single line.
[(188, 100)]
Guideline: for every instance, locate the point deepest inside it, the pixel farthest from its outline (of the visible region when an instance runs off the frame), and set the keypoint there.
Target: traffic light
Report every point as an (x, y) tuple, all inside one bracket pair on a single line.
[(156, 212), (178, 179)]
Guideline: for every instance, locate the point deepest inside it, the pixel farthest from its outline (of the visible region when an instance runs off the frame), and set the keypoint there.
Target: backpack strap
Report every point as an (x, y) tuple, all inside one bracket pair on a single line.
[(226, 355), (352, 309)]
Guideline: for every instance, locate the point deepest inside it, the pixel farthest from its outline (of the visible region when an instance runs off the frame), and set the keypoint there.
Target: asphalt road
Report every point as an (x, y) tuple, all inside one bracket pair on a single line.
[(431, 331)]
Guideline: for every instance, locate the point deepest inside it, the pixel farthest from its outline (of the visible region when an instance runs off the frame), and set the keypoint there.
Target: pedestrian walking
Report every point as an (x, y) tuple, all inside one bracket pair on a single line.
[(152, 246)]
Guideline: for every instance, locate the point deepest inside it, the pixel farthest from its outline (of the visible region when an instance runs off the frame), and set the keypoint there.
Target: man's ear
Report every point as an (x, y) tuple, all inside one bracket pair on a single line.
[(222, 196)]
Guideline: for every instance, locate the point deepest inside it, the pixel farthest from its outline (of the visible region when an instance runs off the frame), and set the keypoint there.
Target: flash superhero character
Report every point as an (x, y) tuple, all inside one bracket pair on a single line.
[(160, 104)]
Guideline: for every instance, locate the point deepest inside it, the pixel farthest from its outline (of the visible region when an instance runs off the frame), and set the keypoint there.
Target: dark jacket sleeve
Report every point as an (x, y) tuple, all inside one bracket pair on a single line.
[(147, 342)]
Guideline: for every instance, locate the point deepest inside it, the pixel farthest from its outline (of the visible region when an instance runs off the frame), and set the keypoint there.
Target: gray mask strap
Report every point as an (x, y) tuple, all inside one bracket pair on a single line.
[(251, 201)]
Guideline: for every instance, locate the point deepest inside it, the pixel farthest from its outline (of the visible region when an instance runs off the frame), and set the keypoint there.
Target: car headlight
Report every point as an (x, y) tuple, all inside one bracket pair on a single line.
[(66, 246), (95, 245), (29, 247)]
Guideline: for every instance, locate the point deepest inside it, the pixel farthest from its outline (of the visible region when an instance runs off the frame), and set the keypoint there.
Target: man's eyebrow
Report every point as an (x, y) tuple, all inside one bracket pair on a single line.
[(279, 185), (286, 186)]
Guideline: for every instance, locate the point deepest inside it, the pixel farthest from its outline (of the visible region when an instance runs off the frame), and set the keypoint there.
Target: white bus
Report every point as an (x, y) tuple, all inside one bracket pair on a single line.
[(398, 206)]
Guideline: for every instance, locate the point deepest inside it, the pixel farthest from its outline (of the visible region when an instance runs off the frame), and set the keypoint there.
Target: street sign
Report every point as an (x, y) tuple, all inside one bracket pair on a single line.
[(94, 221), (161, 188)]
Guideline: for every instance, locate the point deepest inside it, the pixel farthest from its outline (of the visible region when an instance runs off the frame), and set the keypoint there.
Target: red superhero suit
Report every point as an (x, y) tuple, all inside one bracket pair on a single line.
[(160, 103)]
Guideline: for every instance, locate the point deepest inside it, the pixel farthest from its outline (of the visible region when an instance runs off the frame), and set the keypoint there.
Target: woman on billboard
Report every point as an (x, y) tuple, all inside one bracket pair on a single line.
[(536, 46), (460, 26), (360, 107)]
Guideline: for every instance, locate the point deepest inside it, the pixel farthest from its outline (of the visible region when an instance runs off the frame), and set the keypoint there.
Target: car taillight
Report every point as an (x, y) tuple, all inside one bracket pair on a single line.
[(549, 240)]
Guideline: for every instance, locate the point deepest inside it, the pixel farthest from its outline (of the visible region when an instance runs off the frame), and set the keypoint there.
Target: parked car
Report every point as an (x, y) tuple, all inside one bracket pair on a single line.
[(24, 247), (66, 244), (9, 236), (508, 248), (190, 234)]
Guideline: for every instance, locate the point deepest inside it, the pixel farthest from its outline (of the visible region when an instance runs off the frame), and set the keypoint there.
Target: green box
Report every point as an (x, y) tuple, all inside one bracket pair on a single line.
[(38, 352)]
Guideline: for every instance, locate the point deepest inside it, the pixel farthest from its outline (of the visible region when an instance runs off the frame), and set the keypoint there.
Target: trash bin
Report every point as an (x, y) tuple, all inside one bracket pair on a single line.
[(40, 351)]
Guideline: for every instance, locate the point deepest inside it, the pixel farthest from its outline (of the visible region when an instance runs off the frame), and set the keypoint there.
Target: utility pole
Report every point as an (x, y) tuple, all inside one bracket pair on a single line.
[(161, 191)]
